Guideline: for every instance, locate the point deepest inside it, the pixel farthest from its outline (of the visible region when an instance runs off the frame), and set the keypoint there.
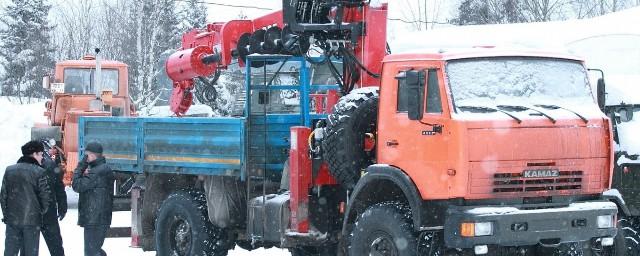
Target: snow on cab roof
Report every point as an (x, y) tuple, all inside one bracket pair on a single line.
[(476, 52), (83, 63)]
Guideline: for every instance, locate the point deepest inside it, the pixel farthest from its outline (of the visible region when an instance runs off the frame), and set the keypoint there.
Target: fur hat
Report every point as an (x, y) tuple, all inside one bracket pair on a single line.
[(94, 147), (31, 147)]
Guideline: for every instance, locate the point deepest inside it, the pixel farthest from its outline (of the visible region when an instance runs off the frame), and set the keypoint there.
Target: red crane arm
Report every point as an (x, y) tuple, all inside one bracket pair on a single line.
[(354, 30)]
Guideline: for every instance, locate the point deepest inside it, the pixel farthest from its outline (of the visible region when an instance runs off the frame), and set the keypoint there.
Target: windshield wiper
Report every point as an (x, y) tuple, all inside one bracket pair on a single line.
[(522, 108), (553, 107), (486, 109)]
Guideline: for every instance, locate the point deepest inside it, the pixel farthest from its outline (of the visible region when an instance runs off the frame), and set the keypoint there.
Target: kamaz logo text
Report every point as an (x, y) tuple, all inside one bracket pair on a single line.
[(540, 173)]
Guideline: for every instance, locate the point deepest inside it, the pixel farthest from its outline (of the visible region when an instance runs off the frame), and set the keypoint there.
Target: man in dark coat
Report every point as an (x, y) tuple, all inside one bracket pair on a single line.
[(93, 179), (57, 205), (25, 199)]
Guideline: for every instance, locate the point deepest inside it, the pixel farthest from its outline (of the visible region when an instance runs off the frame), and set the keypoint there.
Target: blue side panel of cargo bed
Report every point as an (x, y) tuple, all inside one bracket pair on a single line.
[(119, 137), (275, 135), (207, 146)]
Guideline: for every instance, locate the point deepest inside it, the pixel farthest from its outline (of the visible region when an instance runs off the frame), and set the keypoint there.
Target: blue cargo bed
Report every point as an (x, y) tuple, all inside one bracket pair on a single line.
[(211, 146)]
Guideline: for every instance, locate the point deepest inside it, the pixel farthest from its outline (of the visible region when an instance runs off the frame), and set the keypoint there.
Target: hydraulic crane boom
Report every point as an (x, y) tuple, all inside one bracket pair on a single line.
[(352, 31)]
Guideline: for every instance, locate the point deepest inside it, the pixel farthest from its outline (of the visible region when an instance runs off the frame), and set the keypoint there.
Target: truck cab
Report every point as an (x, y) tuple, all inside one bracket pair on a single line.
[(503, 148)]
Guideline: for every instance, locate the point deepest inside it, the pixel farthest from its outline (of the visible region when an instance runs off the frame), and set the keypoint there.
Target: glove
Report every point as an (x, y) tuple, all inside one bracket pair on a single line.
[(62, 211), (83, 164), (61, 215)]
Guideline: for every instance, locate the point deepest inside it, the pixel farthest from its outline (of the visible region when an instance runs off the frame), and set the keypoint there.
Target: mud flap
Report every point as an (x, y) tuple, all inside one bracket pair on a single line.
[(226, 201)]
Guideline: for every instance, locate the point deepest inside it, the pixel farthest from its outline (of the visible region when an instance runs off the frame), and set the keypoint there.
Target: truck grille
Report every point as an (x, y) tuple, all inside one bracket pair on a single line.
[(515, 182)]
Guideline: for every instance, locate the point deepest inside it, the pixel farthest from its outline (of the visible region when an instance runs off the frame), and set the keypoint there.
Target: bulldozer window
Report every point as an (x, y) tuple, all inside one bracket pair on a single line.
[(434, 103), (81, 80), (403, 92)]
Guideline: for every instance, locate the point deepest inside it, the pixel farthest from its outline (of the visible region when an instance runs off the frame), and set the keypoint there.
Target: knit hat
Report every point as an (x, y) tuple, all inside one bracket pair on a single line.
[(94, 147), (32, 147)]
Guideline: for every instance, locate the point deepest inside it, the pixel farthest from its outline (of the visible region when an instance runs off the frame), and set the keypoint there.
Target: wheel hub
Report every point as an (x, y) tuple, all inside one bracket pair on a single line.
[(382, 245), (180, 238)]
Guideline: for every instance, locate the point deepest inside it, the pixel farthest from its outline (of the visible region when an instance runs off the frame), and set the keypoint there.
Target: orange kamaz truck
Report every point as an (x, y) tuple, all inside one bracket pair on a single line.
[(479, 152)]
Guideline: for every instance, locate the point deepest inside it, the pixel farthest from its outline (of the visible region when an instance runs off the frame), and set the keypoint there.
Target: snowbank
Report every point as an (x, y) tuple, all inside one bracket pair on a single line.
[(623, 88), (195, 110), (628, 132), (555, 34), (15, 123)]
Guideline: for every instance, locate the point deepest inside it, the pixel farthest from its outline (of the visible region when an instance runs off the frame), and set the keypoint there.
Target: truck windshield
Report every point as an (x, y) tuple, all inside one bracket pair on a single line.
[(81, 80), (522, 80)]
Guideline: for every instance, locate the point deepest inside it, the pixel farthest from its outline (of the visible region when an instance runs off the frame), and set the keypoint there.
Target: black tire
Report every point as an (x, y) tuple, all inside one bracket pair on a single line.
[(385, 229), (355, 115), (183, 228), (245, 245), (627, 241), (327, 250)]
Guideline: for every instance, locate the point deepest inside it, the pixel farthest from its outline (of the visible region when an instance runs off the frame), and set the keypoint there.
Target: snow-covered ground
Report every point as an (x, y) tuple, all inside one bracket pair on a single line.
[(15, 125), (73, 238)]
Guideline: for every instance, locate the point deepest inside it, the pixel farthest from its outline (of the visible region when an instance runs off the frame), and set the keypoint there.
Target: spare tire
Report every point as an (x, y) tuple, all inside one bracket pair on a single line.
[(355, 115)]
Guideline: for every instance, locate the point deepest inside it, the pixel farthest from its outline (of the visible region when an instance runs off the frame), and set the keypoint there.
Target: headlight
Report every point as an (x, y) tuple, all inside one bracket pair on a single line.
[(484, 229), (606, 221)]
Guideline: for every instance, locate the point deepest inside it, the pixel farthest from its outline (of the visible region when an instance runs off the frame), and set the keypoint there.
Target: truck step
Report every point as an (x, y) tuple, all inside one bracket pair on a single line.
[(115, 232), (121, 204)]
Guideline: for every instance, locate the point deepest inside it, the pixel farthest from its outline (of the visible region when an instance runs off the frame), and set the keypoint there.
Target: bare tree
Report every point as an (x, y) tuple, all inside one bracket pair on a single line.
[(76, 27), (421, 14), (592, 8), (544, 10)]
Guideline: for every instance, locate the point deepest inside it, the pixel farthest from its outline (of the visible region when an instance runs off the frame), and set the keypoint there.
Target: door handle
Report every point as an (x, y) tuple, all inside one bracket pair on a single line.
[(392, 143)]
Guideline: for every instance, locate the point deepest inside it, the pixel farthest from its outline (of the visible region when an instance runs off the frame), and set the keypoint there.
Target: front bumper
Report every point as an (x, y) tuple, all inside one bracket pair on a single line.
[(516, 227)]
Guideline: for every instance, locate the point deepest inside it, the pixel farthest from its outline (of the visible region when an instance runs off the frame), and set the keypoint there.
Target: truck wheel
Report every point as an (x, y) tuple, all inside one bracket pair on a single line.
[(627, 241), (431, 243), (183, 228), (383, 229), (355, 115)]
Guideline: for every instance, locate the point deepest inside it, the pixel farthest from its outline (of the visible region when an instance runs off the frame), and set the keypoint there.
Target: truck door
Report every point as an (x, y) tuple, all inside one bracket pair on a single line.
[(419, 147)]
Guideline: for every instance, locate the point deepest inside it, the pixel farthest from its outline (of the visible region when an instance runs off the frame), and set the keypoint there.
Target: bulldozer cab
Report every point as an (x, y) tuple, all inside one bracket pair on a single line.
[(74, 94), (73, 87), (81, 81)]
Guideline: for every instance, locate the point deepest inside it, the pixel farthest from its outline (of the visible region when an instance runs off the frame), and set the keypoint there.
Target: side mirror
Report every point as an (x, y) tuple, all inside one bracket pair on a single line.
[(415, 82), (46, 82), (601, 91)]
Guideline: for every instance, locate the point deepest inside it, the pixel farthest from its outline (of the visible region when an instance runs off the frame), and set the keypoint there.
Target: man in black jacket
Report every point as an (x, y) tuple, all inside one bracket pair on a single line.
[(93, 179), (24, 198), (57, 204)]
